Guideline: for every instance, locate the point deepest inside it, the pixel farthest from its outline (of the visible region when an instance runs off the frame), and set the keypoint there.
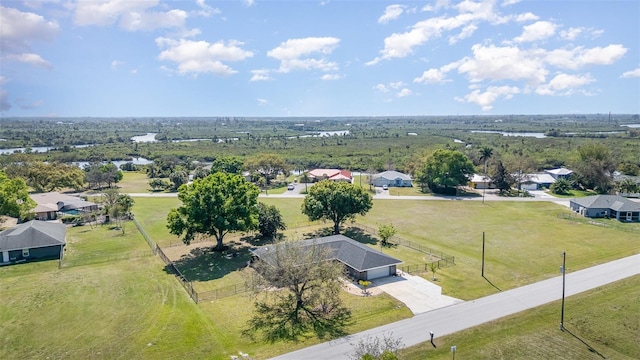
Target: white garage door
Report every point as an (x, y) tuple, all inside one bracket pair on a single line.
[(377, 273), (533, 186)]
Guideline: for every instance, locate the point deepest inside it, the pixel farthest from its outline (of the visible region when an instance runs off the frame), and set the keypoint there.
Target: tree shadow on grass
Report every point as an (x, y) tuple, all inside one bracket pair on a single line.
[(204, 264), (359, 235)]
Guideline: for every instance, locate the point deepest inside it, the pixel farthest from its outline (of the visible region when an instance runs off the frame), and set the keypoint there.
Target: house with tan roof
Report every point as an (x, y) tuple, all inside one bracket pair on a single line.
[(330, 174)]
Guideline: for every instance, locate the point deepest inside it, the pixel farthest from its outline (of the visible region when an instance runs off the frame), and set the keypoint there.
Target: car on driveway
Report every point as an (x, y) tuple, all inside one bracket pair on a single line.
[(385, 187), (291, 186)]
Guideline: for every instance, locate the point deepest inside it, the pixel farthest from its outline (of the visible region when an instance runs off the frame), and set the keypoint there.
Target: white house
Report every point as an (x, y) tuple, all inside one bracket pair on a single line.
[(391, 178)]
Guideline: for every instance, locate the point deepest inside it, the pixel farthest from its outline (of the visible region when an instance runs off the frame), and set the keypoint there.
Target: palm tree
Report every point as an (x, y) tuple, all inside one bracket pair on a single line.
[(485, 154)]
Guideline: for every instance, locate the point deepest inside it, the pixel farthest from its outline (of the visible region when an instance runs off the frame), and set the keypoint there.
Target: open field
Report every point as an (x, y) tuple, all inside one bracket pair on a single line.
[(133, 309), (112, 299), (605, 320), (134, 182), (523, 240)]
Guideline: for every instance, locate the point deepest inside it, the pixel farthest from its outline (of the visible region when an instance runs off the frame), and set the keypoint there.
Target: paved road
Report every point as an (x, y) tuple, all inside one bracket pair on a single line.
[(461, 316)]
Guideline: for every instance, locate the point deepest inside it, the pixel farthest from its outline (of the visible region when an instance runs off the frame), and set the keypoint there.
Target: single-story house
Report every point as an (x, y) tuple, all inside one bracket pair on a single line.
[(478, 181), (51, 203), (392, 178), (33, 240), (613, 206), (330, 174), (537, 181), (559, 173), (361, 261)]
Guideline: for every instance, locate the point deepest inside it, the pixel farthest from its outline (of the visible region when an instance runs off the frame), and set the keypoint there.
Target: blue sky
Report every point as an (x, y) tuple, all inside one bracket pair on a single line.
[(121, 58)]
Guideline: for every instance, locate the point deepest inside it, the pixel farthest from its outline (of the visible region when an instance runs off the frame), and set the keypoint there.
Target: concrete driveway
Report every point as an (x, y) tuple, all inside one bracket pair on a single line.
[(418, 294)]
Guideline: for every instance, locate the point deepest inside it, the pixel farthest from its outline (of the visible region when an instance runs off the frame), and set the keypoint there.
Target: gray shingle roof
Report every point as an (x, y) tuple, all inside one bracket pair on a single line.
[(392, 175), (33, 234), (348, 251), (614, 202)]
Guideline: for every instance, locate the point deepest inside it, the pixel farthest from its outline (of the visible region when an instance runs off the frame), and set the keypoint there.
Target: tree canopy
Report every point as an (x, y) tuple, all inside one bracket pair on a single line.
[(307, 294), (269, 220), (336, 202), (445, 169), (214, 206), (267, 165), (14, 197), (595, 167)]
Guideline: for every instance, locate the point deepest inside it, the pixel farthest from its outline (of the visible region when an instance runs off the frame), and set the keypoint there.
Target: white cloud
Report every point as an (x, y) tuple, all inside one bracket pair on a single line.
[(510, 2), (404, 92), (331, 77), (201, 56), (563, 84), (501, 63), (431, 76), (294, 54), (632, 73), (392, 12), (537, 31), (248, 3), (19, 30), (399, 45), (381, 88), (487, 98), (261, 75), (396, 85), (571, 33), (29, 58), (132, 15), (116, 64), (526, 17), (206, 10), (466, 32), (601, 55), (262, 102)]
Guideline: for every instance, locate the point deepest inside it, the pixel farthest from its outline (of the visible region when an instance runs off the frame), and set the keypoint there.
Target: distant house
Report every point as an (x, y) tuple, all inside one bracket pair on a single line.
[(537, 181), (330, 174), (478, 181), (51, 203), (392, 178), (559, 173), (361, 261), (34, 240), (613, 206)]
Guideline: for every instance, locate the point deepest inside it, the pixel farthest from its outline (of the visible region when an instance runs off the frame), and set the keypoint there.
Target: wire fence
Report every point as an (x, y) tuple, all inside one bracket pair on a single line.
[(171, 267), (444, 260), (146, 236)]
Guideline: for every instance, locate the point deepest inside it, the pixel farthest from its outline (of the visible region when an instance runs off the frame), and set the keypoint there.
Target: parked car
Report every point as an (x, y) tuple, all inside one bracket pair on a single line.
[(385, 187), (291, 186)]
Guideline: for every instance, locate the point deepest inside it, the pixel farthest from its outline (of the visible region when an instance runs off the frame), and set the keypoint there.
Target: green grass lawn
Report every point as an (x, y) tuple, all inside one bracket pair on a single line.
[(134, 182), (150, 315), (606, 319)]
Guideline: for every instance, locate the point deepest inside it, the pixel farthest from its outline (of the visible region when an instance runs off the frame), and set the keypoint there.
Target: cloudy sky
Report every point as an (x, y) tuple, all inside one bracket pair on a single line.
[(318, 58)]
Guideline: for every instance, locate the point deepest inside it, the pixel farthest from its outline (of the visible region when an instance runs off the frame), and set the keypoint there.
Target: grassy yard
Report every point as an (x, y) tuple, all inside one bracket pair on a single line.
[(605, 319), (129, 307), (134, 182)]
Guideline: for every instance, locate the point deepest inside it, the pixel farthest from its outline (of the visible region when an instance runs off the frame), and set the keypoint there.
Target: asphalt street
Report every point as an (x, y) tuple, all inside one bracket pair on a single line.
[(464, 315)]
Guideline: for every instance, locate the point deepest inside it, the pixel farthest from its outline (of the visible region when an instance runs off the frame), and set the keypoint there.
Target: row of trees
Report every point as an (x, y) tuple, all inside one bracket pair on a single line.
[(46, 177)]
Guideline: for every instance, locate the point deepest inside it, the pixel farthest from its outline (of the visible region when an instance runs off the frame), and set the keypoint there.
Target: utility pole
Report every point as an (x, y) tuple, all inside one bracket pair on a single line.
[(563, 269), (483, 254)]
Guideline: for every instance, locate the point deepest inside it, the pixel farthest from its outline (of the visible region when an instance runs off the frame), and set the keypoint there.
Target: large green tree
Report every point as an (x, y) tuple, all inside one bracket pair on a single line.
[(336, 202), (594, 168), (14, 197), (230, 164), (305, 296), (269, 220), (214, 206), (444, 170), (501, 178), (267, 165)]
